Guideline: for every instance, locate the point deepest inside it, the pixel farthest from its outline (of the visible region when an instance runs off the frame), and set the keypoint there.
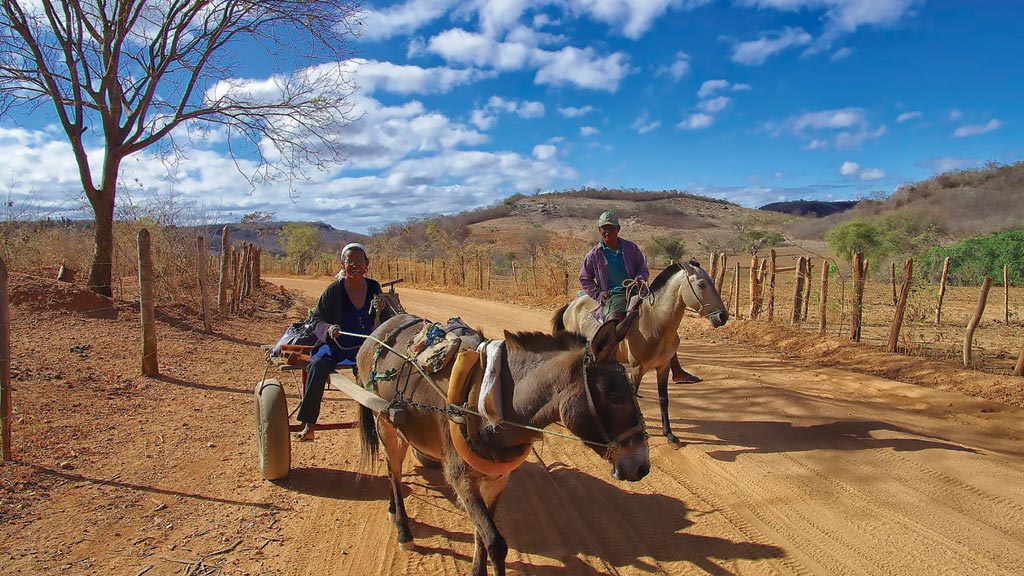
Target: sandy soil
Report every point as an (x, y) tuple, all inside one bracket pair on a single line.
[(792, 464)]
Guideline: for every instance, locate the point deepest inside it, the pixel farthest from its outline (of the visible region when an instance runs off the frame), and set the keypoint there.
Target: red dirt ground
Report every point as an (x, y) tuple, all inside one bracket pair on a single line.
[(803, 456)]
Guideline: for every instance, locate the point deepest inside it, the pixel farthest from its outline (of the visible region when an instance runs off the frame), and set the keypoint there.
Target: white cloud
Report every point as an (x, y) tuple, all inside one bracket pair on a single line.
[(907, 116), (849, 125), (588, 131), (544, 151), (849, 168), (484, 118), (406, 18), (756, 52), (632, 17), (714, 105), (976, 130), (955, 115), (372, 76), (946, 164), (583, 68), (574, 112), (709, 87), (854, 169), (643, 124), (697, 121), (841, 54), (678, 68), (845, 16)]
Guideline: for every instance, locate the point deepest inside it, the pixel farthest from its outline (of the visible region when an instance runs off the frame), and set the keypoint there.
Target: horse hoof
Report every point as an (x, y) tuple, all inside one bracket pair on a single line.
[(672, 439), (407, 546), (691, 379)]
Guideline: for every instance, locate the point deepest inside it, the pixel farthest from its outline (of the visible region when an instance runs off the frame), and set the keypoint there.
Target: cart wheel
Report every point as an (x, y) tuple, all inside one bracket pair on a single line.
[(273, 441), (424, 460)]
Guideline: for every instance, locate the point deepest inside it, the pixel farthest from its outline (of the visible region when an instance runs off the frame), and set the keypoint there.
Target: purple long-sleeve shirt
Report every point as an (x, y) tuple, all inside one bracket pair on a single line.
[(594, 271)]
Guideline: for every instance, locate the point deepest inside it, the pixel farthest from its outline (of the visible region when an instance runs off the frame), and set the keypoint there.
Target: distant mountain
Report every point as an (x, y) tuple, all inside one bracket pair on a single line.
[(810, 208), (266, 235)]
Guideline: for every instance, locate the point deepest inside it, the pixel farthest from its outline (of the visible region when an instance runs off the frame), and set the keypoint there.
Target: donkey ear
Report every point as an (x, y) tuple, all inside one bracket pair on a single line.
[(606, 341)]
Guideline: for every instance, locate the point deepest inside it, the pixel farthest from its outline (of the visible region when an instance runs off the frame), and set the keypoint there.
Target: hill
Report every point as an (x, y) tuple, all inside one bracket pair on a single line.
[(810, 208), (960, 204), (266, 235)]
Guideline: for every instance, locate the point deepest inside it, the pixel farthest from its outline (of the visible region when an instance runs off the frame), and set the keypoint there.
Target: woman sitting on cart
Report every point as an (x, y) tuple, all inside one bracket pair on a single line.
[(343, 307)]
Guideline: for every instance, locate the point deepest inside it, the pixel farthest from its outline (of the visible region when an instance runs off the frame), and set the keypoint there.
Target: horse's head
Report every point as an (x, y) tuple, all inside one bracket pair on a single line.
[(699, 292), (606, 414)]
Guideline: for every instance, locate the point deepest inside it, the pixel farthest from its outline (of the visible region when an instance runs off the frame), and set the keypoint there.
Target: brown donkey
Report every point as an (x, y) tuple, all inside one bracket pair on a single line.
[(545, 379)]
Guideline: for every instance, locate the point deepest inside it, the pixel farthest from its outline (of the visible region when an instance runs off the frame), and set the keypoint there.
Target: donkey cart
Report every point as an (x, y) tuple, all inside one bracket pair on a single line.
[(273, 431)]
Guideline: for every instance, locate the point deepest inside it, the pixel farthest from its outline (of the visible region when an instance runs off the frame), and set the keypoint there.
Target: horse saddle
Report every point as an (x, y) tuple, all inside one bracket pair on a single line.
[(434, 347), (468, 387)]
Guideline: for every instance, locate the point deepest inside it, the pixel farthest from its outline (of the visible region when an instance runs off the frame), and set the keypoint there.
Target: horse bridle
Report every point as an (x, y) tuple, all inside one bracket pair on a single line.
[(611, 445)]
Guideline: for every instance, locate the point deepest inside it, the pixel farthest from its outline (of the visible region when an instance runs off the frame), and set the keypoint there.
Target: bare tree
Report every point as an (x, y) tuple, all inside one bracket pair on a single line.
[(135, 73)]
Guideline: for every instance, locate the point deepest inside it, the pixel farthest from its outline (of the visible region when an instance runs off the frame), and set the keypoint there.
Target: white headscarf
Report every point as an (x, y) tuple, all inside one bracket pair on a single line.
[(351, 246)]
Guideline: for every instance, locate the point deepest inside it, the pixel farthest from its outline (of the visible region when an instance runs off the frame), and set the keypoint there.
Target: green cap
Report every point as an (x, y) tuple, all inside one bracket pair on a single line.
[(607, 217)]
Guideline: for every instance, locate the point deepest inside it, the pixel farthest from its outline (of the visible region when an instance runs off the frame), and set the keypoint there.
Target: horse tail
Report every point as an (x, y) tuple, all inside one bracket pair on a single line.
[(369, 444), (558, 320)]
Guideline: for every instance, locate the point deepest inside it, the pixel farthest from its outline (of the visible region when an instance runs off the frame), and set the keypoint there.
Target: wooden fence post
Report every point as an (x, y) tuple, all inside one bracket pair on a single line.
[(149, 359), (969, 338), (257, 272), (771, 285), (798, 291), (823, 307), (755, 289), (942, 290), (1006, 294), (858, 297), (204, 298), (901, 306), (225, 270), (736, 286), (892, 276), (721, 272), (6, 402), (807, 293)]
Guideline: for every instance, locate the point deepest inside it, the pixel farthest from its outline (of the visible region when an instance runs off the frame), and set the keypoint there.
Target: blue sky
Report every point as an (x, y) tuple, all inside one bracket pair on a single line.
[(753, 101)]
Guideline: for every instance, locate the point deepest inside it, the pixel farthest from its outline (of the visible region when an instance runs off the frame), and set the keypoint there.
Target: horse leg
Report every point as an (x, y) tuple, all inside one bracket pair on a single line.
[(680, 375), (395, 448), (490, 491), (666, 427), (488, 542)]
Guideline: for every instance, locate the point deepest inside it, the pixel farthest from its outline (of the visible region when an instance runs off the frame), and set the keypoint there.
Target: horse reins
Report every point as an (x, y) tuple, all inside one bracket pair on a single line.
[(612, 445)]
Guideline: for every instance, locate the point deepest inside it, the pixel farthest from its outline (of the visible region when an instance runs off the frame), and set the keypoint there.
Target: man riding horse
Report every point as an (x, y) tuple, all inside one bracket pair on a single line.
[(609, 264)]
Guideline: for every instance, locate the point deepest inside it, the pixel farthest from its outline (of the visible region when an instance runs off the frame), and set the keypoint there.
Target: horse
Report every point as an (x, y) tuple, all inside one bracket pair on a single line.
[(652, 339), (545, 379)]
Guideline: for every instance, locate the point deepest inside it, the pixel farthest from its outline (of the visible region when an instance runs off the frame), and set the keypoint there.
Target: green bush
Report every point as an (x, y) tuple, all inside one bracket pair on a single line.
[(973, 259), (859, 235), (669, 248)]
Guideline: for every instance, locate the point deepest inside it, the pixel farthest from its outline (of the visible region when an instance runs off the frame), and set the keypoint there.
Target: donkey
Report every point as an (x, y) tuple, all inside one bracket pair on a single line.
[(653, 339), (545, 379)]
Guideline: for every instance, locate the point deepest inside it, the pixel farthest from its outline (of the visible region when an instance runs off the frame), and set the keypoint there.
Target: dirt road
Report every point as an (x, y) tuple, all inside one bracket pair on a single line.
[(784, 470)]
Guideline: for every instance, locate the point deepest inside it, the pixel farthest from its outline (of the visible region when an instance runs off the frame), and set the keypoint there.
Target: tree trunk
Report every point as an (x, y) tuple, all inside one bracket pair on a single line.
[(101, 273)]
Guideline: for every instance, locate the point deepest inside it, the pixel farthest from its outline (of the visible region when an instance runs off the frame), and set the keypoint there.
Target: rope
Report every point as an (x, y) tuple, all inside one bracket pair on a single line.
[(466, 408)]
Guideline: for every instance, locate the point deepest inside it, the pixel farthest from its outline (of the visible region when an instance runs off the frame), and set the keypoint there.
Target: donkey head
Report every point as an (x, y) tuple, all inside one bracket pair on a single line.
[(607, 415)]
